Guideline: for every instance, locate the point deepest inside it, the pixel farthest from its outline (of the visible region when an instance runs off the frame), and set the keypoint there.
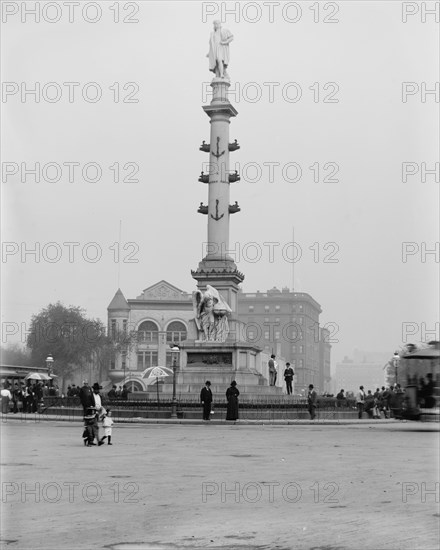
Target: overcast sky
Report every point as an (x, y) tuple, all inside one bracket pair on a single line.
[(335, 103)]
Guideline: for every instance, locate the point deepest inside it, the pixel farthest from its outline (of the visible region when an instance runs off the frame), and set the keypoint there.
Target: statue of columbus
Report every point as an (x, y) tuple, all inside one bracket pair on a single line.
[(219, 50)]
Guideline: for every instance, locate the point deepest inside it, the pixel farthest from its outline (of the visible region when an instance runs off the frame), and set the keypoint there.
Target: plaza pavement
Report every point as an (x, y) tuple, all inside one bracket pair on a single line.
[(327, 486)]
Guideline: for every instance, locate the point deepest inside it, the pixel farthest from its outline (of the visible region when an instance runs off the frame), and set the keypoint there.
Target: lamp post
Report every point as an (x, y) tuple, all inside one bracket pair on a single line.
[(49, 365), (396, 359), (175, 354)]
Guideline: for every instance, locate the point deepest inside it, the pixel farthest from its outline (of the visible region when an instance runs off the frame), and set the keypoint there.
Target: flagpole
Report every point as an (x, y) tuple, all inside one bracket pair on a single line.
[(293, 262)]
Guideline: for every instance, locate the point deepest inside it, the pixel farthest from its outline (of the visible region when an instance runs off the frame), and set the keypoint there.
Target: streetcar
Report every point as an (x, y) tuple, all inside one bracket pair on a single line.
[(422, 391)]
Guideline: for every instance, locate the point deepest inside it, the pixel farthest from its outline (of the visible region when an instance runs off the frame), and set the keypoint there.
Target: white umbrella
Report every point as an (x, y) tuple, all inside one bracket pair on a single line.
[(37, 376), (156, 373)]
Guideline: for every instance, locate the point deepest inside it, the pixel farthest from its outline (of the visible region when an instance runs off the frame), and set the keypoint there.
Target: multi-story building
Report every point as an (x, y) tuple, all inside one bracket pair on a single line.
[(325, 360), (287, 324), (278, 321)]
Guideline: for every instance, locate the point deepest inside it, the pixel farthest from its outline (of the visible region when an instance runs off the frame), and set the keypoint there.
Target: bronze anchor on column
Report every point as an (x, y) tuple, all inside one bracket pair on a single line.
[(217, 217), (218, 154)]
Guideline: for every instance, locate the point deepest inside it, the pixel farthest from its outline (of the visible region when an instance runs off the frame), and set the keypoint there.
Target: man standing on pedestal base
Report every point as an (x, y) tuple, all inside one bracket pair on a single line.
[(288, 377)]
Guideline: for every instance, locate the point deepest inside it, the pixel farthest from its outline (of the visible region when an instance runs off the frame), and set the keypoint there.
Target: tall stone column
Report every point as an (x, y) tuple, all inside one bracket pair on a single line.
[(217, 268)]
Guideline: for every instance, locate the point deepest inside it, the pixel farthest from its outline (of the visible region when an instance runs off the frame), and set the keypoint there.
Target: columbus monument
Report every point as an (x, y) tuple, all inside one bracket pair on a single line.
[(217, 348), (217, 270)]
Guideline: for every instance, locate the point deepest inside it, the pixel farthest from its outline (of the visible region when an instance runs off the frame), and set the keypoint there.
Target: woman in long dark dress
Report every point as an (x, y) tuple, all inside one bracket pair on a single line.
[(232, 394)]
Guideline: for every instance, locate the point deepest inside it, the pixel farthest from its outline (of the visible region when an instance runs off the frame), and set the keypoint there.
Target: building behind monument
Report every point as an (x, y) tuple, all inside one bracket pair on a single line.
[(278, 321)]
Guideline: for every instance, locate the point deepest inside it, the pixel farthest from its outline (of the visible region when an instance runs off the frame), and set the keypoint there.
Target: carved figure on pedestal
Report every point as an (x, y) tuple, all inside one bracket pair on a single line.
[(211, 314), (219, 50)]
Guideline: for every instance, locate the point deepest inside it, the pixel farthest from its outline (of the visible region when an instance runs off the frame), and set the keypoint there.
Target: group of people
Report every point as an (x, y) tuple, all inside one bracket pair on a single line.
[(273, 373), (381, 401), (374, 404), (94, 412), (115, 393), (25, 397), (232, 394), (120, 392), (91, 426), (73, 391)]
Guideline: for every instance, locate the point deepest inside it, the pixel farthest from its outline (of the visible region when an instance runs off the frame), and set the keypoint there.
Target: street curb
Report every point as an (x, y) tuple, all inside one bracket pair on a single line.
[(37, 418)]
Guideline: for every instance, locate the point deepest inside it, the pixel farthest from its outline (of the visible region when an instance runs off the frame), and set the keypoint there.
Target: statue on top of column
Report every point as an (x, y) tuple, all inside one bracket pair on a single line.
[(211, 315), (219, 50)]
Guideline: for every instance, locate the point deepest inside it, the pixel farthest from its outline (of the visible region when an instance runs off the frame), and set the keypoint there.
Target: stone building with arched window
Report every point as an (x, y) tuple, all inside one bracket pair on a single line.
[(145, 329)]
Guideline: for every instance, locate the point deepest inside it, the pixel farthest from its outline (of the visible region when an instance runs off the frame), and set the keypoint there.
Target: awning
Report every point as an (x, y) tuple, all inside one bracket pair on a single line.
[(8, 372), (426, 353)]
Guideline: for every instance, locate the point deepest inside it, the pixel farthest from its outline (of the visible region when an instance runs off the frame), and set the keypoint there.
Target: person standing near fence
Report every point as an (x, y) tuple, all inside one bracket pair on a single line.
[(206, 400), (341, 400), (288, 377), (360, 401), (232, 394), (312, 402)]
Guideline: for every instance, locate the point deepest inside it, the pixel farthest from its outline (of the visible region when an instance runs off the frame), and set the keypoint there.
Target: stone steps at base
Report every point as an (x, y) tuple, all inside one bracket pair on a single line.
[(189, 390), (217, 380)]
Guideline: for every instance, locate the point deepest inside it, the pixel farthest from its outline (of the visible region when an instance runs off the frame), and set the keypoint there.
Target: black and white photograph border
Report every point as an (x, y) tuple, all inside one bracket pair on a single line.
[(220, 258)]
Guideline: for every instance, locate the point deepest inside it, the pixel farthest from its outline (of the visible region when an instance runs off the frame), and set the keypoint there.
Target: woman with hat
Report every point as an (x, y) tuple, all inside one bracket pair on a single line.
[(232, 394)]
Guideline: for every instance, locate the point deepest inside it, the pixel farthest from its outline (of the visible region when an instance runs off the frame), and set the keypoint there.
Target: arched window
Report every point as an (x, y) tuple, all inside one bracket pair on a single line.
[(134, 386), (148, 332), (176, 332)]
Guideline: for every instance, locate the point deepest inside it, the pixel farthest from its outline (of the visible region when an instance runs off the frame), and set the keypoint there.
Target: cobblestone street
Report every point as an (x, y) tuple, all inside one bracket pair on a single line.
[(366, 486)]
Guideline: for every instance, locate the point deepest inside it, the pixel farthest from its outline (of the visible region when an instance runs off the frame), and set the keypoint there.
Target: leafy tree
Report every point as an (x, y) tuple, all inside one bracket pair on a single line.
[(75, 341), (67, 334)]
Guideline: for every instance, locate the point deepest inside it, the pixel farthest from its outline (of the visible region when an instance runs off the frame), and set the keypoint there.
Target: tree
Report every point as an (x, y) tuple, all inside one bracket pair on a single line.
[(67, 334)]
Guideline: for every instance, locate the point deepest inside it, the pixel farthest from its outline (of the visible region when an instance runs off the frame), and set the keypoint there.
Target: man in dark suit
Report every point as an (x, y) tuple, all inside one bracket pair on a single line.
[(288, 377), (312, 402), (206, 399)]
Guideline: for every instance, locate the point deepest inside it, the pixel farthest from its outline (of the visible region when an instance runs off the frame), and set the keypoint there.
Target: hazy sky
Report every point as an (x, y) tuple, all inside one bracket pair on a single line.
[(326, 95)]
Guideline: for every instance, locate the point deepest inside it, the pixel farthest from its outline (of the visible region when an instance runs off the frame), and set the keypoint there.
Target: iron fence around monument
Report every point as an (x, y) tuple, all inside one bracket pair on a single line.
[(258, 405)]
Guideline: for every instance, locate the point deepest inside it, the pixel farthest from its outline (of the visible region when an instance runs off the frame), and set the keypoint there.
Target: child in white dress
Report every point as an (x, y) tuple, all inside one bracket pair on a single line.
[(107, 423)]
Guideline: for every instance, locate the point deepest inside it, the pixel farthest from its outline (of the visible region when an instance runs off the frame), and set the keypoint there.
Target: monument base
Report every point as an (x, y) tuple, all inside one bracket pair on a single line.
[(220, 363)]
